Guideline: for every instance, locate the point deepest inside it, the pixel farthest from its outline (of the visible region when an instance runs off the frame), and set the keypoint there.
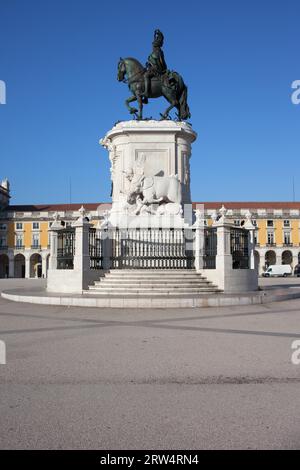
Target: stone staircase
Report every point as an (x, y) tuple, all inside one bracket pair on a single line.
[(152, 283)]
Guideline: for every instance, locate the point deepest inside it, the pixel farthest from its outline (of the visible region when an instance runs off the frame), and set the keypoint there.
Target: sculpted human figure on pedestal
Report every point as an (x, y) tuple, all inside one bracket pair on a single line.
[(154, 81), (156, 65), (135, 180)]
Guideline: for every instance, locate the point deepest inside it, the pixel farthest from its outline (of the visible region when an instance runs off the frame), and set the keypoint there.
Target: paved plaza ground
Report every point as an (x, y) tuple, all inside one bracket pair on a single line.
[(149, 379)]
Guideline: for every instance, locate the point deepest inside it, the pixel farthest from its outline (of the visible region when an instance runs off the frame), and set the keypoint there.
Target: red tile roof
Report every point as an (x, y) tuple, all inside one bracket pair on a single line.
[(250, 205)]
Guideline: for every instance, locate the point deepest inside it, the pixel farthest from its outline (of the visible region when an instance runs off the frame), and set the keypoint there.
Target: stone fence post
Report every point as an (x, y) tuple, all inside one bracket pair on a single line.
[(224, 257), (82, 254), (251, 242), (199, 240)]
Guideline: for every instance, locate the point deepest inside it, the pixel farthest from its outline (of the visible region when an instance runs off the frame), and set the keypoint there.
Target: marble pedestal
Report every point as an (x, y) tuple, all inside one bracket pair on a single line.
[(150, 172)]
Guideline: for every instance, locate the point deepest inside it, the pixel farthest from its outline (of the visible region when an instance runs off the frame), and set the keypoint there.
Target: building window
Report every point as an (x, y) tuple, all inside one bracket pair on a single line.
[(19, 226), (35, 240), (35, 225), (256, 237), (270, 223), (3, 226), (286, 223), (270, 238), (237, 222), (3, 242), (254, 222), (19, 241), (287, 238)]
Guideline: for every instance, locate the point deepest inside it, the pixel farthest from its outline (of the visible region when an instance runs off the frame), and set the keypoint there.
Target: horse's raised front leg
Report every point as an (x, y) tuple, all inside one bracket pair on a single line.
[(130, 108)]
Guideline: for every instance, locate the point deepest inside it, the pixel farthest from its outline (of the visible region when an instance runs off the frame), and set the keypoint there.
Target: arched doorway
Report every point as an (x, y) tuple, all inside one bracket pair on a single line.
[(4, 266), (19, 265), (270, 258), (36, 265), (287, 257)]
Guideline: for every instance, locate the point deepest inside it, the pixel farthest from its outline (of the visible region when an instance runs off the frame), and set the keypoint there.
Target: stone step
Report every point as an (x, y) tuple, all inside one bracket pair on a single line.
[(152, 283), (134, 289), (154, 276), (153, 287), (152, 280), (158, 271), (139, 282), (149, 294)]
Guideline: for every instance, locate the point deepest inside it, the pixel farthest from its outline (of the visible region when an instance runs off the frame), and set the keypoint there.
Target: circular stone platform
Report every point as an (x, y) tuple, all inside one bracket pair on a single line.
[(41, 296)]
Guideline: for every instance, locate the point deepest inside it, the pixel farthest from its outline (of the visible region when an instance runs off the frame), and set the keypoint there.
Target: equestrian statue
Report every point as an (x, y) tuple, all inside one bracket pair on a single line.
[(153, 81)]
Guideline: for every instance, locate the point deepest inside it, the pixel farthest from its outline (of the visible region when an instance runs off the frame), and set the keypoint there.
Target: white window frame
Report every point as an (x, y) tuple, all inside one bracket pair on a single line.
[(19, 237), (35, 240), (272, 235), (3, 240), (288, 235)]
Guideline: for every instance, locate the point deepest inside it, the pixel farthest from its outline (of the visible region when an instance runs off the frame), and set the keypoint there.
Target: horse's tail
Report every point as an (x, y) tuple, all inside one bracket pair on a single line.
[(183, 108)]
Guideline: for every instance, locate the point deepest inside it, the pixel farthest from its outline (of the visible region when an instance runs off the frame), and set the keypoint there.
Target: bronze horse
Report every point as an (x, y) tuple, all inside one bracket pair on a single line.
[(170, 85)]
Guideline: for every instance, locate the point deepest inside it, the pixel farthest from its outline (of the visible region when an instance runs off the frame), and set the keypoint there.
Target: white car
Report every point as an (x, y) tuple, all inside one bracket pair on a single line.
[(278, 270)]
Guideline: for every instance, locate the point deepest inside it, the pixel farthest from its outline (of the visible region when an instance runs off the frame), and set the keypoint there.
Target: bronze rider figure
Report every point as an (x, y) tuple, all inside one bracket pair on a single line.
[(156, 65)]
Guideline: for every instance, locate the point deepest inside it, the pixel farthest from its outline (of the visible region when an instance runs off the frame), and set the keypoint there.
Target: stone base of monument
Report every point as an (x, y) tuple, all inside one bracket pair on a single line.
[(151, 245), (152, 262)]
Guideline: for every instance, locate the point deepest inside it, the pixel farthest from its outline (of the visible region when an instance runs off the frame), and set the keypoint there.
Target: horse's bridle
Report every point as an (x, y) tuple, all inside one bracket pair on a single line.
[(129, 82)]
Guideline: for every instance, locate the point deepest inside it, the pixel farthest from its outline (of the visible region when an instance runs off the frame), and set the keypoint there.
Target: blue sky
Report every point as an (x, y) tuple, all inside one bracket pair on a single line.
[(59, 61)]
